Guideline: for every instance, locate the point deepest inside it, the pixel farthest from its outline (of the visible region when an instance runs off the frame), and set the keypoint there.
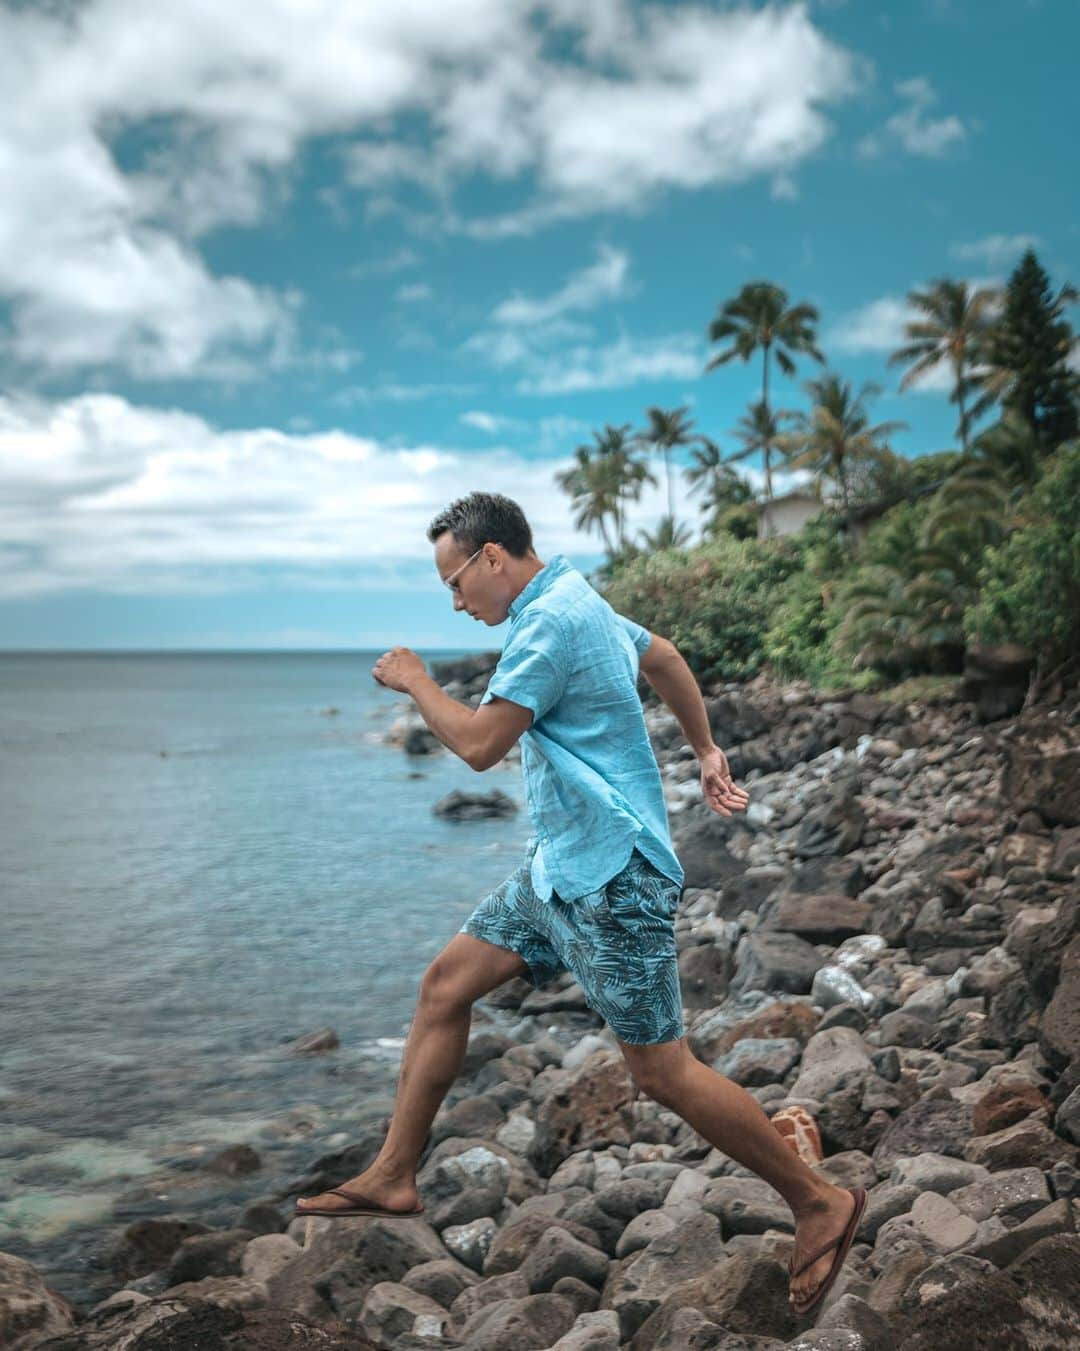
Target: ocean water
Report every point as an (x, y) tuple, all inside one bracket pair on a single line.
[(198, 863)]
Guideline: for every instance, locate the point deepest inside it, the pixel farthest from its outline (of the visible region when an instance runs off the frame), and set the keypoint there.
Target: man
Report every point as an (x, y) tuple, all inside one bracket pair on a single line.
[(598, 890)]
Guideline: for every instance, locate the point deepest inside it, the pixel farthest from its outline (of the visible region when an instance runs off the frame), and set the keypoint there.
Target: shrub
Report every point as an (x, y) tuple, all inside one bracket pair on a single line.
[(714, 601), (1030, 583)]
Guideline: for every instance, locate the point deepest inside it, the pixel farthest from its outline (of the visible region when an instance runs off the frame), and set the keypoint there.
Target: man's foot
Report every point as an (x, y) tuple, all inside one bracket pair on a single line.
[(401, 1196), (812, 1229)]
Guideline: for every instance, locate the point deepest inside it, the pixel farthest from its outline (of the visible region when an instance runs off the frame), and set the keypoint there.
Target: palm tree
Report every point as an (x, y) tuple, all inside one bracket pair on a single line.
[(758, 317), (605, 476), (665, 431), (724, 486), (667, 535), (836, 434), (956, 327), (593, 485), (760, 433)]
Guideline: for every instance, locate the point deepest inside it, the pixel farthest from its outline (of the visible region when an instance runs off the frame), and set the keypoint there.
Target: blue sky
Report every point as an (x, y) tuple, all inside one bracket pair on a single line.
[(279, 282)]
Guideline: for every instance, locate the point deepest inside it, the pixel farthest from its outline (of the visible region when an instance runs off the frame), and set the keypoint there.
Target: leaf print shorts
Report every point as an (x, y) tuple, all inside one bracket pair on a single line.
[(618, 942)]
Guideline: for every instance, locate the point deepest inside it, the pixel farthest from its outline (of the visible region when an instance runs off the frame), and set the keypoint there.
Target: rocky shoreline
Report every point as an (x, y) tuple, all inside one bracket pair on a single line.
[(887, 940)]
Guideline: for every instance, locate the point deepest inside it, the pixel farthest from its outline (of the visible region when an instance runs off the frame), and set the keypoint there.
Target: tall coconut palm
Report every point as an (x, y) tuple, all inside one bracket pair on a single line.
[(618, 444), (605, 476), (759, 318), (593, 483), (836, 434), (760, 433), (955, 330), (666, 430)]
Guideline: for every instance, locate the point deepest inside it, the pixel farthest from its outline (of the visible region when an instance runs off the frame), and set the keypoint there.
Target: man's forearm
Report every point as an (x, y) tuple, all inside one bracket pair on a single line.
[(674, 682), (451, 722)]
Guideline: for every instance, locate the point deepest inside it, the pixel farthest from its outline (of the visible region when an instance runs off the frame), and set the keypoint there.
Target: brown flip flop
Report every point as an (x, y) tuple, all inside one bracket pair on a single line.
[(842, 1242), (361, 1205)]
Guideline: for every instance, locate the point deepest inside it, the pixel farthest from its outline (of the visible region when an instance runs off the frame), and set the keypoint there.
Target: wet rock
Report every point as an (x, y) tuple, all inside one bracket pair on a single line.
[(636, 1287), (747, 1205), (1031, 1303), (442, 1279), (931, 1124), (1059, 1026), (821, 917), (1013, 1194), (29, 1310), (464, 1186), (774, 962), (215, 1254), (1042, 772), (759, 1060), (835, 828), (832, 1058), (591, 1106), (1027, 1144), (519, 1324), (558, 1253), (391, 1309), (461, 806)]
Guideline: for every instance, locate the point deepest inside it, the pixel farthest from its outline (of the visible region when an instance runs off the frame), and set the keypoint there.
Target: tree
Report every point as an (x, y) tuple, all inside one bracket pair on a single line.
[(726, 493), (605, 476), (665, 431), (759, 431), (955, 331), (1027, 356), (758, 318), (667, 535), (836, 434)]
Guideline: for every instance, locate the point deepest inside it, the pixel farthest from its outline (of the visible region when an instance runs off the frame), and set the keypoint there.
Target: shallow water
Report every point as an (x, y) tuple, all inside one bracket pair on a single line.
[(198, 864)]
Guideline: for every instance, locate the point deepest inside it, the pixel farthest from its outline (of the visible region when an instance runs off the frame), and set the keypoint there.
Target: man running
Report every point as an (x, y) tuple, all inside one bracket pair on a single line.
[(598, 890)]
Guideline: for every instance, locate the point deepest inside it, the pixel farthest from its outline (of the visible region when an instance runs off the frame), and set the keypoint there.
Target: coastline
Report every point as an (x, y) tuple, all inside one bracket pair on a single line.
[(887, 938)]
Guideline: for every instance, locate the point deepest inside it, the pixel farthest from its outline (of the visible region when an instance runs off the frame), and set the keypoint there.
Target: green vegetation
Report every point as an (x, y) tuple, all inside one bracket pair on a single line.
[(908, 561)]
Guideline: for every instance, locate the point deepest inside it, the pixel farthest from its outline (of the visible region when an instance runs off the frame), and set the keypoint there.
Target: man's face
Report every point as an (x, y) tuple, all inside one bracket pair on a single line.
[(476, 584)]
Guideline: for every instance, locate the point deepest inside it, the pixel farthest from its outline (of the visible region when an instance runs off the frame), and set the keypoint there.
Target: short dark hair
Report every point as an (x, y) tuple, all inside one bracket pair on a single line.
[(483, 518)]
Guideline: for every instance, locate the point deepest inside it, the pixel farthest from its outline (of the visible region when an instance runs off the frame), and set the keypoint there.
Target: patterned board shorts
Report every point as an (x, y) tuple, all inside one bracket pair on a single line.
[(618, 942)]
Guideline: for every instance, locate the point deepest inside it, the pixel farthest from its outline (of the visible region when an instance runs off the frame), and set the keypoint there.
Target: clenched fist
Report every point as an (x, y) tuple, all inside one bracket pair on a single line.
[(397, 668)]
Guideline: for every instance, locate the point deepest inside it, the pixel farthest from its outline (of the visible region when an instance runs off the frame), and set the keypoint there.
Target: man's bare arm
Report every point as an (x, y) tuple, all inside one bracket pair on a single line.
[(481, 736), (665, 668)]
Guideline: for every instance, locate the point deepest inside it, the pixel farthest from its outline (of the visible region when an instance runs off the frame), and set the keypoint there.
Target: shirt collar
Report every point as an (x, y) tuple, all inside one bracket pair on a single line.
[(536, 586)]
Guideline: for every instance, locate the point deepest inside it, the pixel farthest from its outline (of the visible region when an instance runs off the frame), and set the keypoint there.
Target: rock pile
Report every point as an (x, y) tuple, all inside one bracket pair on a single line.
[(888, 938)]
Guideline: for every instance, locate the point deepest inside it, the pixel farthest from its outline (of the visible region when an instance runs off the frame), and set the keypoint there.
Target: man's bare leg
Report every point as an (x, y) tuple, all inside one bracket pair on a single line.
[(465, 970), (733, 1120)]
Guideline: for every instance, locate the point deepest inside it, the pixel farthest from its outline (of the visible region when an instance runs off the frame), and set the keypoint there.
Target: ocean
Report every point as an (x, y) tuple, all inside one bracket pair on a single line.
[(199, 862)]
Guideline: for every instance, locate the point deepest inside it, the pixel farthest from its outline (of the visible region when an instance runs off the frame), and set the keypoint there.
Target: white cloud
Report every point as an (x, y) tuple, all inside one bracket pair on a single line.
[(98, 494), (627, 361), (912, 128), (995, 250), (486, 422), (397, 261), (875, 327), (553, 352), (129, 131), (606, 279), (397, 393), (413, 293)]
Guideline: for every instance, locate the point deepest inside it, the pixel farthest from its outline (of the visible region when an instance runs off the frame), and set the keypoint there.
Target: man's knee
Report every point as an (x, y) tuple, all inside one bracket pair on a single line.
[(444, 987), (657, 1070)]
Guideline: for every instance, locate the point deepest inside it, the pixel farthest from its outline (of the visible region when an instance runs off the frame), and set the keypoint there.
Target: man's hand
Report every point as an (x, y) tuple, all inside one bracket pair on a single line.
[(717, 785), (397, 668)]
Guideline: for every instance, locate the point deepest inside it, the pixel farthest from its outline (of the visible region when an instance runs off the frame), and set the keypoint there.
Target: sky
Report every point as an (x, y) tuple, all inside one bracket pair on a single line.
[(281, 280)]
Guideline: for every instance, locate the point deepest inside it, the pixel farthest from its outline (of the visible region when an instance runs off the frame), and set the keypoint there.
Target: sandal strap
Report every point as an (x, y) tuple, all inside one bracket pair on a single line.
[(354, 1197), (820, 1253)]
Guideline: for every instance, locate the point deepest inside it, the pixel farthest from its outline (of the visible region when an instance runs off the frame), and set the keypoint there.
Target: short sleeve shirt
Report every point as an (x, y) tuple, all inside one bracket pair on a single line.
[(592, 784)]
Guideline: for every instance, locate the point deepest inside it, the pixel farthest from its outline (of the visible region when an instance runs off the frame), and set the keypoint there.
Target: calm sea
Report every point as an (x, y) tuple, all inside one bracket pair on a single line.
[(198, 863)]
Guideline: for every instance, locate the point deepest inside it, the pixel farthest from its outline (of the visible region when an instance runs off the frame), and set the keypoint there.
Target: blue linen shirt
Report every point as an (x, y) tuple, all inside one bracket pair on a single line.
[(591, 779)]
